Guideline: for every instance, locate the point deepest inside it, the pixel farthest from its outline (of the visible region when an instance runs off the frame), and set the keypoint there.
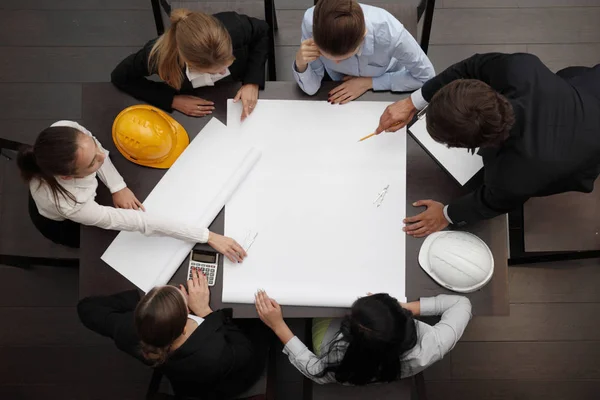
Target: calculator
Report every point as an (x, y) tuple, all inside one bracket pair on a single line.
[(206, 262)]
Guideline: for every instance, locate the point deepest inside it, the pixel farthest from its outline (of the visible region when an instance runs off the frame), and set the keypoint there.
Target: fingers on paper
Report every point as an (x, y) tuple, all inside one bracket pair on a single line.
[(238, 96)]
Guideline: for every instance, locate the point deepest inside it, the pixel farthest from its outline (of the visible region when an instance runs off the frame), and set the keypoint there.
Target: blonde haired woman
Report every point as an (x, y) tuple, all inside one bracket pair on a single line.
[(198, 50)]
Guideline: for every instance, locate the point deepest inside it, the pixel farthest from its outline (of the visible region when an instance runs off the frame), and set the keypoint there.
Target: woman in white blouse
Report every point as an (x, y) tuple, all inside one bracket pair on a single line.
[(61, 169), (378, 341)]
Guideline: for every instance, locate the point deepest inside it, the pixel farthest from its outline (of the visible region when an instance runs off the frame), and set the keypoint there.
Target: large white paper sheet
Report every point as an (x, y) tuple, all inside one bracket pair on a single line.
[(460, 163), (193, 191), (321, 239)]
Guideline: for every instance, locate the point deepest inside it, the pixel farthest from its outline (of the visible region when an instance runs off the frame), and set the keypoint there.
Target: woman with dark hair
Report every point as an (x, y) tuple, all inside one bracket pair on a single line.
[(364, 46), (61, 170), (378, 341), (203, 353)]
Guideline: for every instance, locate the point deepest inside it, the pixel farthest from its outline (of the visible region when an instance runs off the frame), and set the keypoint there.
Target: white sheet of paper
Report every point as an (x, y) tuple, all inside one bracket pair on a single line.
[(459, 163), (194, 190), (321, 239)]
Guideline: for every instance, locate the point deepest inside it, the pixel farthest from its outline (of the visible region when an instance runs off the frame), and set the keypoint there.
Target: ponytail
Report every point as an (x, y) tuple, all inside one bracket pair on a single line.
[(26, 163), (53, 154), (160, 318), (193, 37), (156, 356), (164, 56)]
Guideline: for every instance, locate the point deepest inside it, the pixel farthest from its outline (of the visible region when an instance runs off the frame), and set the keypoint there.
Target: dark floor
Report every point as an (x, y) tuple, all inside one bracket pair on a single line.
[(549, 346)]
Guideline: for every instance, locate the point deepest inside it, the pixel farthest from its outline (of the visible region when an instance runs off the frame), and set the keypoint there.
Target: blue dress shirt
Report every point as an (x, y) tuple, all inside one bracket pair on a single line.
[(388, 53)]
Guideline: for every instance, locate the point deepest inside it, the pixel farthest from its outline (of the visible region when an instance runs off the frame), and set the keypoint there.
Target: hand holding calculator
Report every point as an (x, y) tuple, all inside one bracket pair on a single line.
[(205, 262)]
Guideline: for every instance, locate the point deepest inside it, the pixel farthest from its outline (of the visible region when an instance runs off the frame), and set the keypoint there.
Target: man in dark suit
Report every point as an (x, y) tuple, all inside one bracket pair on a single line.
[(538, 132)]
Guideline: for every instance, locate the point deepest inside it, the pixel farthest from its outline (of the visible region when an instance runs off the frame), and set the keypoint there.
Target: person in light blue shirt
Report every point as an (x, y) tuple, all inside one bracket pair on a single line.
[(364, 46)]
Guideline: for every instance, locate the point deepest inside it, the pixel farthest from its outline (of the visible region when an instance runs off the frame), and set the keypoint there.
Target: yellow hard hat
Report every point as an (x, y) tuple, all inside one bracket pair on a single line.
[(148, 136)]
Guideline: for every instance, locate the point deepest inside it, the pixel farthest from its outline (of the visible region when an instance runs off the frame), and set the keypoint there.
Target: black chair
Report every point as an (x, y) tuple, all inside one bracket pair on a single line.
[(410, 12), (261, 9), (160, 389), (21, 245)]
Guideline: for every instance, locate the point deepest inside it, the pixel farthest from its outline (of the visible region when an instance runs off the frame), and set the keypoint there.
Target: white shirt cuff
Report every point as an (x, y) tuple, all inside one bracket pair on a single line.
[(427, 306), (294, 347), (418, 100), (446, 214), (118, 187)]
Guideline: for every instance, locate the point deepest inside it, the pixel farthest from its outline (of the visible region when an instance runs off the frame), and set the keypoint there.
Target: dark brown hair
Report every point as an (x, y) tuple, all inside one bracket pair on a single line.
[(193, 37), (53, 154), (338, 26), (160, 318), (469, 113)]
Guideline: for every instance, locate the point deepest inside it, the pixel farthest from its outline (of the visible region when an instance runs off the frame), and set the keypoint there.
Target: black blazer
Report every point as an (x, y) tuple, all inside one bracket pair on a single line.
[(554, 146), (250, 40), (216, 362)]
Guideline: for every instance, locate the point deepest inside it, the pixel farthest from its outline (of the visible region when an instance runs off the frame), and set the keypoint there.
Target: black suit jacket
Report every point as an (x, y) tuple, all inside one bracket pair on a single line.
[(554, 146), (250, 40), (216, 362)]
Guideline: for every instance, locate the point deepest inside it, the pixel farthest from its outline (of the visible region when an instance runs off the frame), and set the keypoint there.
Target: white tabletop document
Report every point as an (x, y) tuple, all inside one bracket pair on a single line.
[(193, 191)]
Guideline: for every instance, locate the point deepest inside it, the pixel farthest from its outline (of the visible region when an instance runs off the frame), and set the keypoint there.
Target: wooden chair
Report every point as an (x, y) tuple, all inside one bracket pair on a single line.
[(261, 9), (409, 12)]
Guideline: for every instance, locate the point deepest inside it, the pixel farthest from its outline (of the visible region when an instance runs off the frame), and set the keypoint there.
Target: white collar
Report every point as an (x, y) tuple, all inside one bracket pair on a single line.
[(199, 79), (199, 320)]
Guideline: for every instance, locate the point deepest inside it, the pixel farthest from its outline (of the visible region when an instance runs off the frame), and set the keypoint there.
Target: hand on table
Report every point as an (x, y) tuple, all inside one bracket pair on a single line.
[(192, 105), (249, 96), (307, 53), (429, 221), (396, 116), (352, 88), (268, 310), (125, 198), (226, 246), (197, 294)]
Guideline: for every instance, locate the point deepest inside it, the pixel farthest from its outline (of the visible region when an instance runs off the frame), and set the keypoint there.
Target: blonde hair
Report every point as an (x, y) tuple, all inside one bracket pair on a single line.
[(193, 37)]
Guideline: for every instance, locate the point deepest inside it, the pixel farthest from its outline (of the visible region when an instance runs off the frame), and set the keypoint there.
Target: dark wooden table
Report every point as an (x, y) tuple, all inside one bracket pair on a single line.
[(425, 179)]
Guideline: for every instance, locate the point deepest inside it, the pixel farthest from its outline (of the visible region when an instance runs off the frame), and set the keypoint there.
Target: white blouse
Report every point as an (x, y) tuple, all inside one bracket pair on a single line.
[(87, 212)]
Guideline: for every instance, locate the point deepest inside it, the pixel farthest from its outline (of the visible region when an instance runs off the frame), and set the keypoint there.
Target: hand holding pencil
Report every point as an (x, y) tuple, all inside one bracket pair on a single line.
[(396, 116)]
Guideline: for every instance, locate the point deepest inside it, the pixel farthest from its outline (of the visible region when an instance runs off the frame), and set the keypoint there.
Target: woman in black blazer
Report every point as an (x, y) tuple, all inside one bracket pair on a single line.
[(198, 50), (205, 355)]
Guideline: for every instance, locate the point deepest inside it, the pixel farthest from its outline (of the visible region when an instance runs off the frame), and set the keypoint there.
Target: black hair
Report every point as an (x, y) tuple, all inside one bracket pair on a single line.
[(377, 332)]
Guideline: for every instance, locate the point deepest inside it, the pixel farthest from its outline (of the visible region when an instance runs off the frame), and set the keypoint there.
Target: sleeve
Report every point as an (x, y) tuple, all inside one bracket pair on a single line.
[(456, 314), (92, 213), (480, 66), (105, 314), (130, 77), (112, 316), (309, 80), (483, 203), (417, 69), (258, 34), (108, 174), (306, 361)]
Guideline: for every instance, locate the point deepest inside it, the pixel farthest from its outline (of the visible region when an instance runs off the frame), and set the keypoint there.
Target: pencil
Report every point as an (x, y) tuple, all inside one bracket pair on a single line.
[(373, 134), (368, 136)]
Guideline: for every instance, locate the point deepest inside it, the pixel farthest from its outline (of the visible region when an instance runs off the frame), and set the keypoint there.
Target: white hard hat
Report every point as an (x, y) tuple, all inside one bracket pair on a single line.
[(459, 261)]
